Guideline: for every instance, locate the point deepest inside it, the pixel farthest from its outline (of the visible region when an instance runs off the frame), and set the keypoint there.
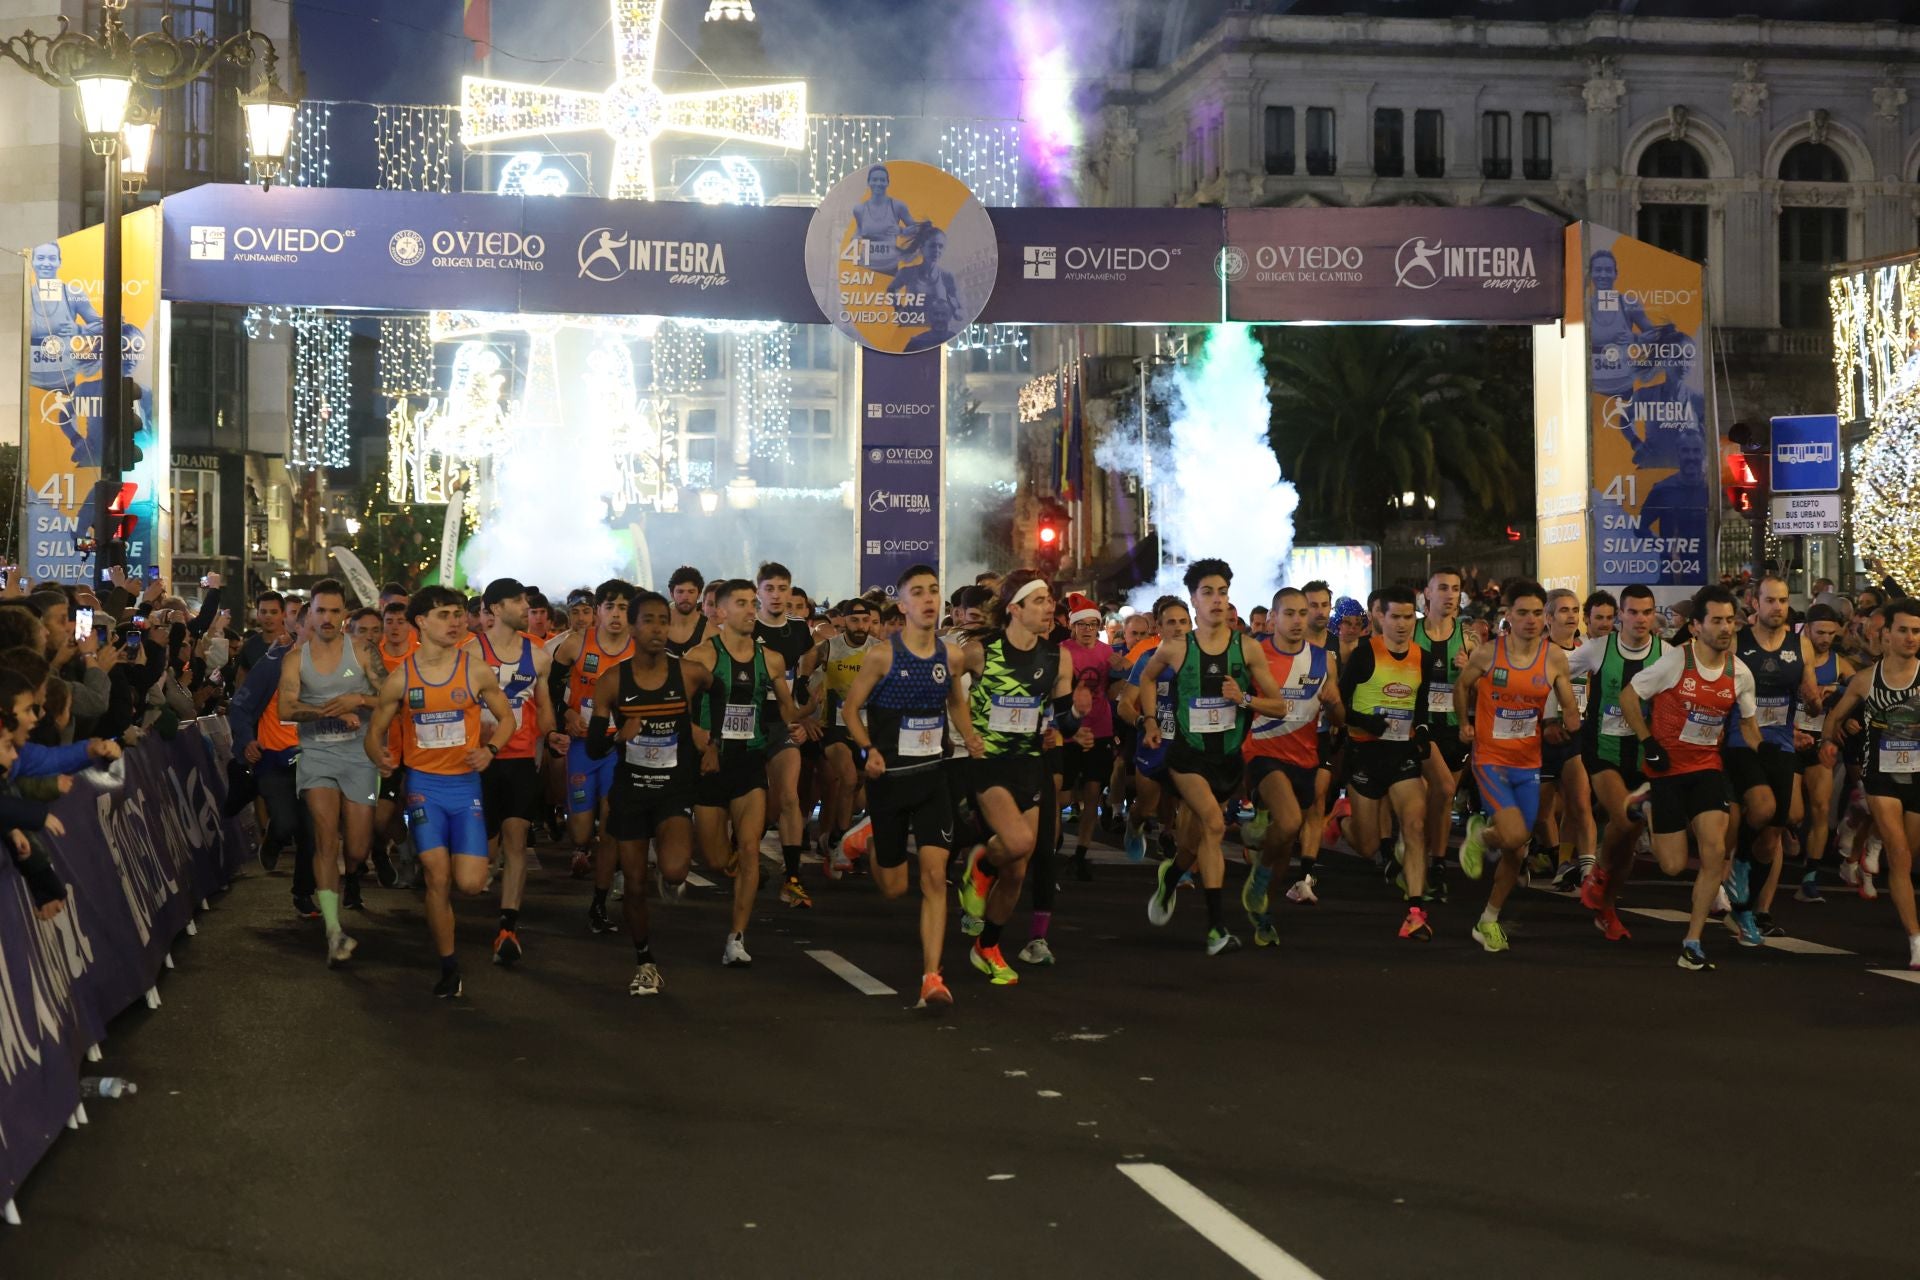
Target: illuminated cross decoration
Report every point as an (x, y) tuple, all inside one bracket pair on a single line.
[(634, 111)]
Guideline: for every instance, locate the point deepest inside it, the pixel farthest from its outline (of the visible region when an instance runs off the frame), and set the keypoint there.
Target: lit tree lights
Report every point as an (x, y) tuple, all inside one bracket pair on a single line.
[(1876, 353), (634, 111)]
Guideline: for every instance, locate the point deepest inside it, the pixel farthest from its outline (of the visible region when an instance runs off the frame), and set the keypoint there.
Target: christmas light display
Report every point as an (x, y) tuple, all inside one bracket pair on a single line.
[(838, 145), (640, 441), (986, 157), (309, 164), (415, 148), (1876, 353), (1039, 397), (321, 387), (524, 175), (406, 357), (634, 111)]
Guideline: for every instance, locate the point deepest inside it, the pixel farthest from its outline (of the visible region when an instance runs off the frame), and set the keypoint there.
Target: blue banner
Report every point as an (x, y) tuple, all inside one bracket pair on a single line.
[(1806, 454), (898, 520)]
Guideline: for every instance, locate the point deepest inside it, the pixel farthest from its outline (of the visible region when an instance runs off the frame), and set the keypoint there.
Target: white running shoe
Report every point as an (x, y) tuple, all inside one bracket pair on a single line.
[(1870, 858), (1720, 903), (1301, 891), (1867, 889), (340, 949), (1913, 952), (1037, 952), (735, 956), (1850, 873), (647, 981)]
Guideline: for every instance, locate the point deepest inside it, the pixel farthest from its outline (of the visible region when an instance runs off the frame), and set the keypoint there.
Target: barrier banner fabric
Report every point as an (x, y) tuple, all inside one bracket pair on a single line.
[(65, 432), (137, 859), (1066, 266), (1490, 265), (1562, 450), (1652, 485), (898, 521)]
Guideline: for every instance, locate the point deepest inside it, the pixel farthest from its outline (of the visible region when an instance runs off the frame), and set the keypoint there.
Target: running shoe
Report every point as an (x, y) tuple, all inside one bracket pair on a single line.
[(1490, 936), (1867, 887), (1436, 884), (619, 889), (1746, 928), (1870, 856), (1082, 866), (597, 921), (1850, 873), (1694, 956), (1416, 925), (1566, 877), (647, 981), (1913, 953), (795, 894), (1330, 830), (971, 925), (1136, 843), (1220, 942), (1255, 829), (582, 865), (1253, 894), (506, 948), (340, 949), (1160, 904), (989, 961), (1607, 921), (449, 987), (834, 863), (1769, 928), (1301, 891), (1739, 882), (1265, 934), (383, 869), (1720, 905), (735, 956), (934, 993), (1539, 863), (1400, 849), (973, 885), (305, 907), (1809, 890), (1635, 799), (350, 899), (1036, 952), (1473, 849), (1593, 891), (269, 855)]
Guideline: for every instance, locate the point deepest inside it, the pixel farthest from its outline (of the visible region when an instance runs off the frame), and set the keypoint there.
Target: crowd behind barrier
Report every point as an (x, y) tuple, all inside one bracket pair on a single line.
[(142, 851)]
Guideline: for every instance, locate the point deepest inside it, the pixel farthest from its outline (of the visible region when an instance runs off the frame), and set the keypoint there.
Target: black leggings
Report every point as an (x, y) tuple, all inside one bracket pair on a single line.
[(1040, 867), (288, 823)]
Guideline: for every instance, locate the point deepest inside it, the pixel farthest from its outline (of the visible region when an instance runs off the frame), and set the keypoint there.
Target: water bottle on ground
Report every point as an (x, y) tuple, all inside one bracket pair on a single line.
[(107, 1087)]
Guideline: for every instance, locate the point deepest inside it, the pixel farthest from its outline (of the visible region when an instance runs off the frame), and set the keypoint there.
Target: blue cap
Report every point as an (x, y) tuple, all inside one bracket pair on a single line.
[(1347, 607)]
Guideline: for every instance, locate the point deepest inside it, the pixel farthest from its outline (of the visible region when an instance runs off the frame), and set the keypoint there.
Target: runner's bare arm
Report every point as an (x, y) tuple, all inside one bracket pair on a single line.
[(1268, 699), (872, 667), (1479, 662), (777, 677), (382, 719)]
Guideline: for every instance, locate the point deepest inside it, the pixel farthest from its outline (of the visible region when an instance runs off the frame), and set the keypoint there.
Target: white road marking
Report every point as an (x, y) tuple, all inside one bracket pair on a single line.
[(1657, 913), (859, 979), (1904, 975), (1801, 947), (1047, 1093), (1227, 1233)]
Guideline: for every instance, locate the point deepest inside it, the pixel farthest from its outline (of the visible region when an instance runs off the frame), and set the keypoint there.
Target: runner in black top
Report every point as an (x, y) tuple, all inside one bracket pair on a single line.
[(792, 639), (652, 694), (687, 624)]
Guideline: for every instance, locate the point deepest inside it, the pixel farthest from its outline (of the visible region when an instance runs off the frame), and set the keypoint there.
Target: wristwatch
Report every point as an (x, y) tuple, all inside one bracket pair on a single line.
[(1246, 701), (489, 746)]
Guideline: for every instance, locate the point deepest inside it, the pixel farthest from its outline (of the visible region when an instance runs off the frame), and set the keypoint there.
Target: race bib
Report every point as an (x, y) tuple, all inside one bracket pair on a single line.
[(438, 730), (1013, 713), (740, 722), (1580, 692), (1211, 715), (656, 754), (920, 735), (1440, 700), (840, 714), (1900, 756), (1514, 723), (1807, 722), (586, 708), (1768, 712), (1704, 728), (1613, 724), (1399, 725), (331, 730)]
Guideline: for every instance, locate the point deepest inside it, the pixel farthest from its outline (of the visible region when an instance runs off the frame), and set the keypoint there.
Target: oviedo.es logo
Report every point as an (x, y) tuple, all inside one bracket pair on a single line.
[(265, 244), (605, 257), (1093, 262)]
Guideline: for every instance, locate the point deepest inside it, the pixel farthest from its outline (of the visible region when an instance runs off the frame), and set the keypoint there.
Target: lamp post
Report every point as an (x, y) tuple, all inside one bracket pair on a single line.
[(106, 67)]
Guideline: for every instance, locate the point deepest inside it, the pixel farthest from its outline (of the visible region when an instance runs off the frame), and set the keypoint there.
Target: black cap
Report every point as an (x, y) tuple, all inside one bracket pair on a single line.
[(502, 589), (579, 595)]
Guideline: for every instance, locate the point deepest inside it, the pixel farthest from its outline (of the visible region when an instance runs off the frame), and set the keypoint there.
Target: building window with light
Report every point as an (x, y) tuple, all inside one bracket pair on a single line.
[(196, 514), (1496, 144), (1279, 141), (810, 346), (700, 448), (1812, 236), (1321, 155)]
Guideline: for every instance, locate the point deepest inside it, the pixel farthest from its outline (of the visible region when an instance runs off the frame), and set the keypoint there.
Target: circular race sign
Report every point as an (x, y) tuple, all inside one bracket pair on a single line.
[(901, 257)]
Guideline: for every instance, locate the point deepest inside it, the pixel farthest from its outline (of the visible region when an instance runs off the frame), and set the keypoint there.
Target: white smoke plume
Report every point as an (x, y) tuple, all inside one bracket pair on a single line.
[(530, 536), (1217, 490)]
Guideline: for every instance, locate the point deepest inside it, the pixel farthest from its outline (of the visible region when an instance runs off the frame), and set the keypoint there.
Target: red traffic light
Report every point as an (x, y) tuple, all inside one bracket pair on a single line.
[(1048, 535)]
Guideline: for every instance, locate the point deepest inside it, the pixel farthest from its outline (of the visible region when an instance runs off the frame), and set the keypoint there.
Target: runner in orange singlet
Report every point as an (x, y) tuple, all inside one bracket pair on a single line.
[(584, 655)]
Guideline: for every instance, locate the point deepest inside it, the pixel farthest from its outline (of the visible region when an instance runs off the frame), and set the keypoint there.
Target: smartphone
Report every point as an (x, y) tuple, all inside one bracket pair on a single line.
[(82, 624), (153, 573)]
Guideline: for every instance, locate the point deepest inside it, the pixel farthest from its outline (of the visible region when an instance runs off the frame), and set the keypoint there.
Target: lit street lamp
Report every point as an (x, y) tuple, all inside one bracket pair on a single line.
[(106, 68)]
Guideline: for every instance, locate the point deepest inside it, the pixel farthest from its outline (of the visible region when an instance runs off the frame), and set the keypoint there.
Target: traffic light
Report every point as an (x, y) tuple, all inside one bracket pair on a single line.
[(1741, 483), (1746, 470), (120, 525), (1050, 535)]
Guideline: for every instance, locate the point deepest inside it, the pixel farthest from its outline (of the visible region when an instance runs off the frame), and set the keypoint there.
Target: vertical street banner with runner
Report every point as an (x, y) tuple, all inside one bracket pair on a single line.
[(898, 517), (1653, 445), (64, 430)]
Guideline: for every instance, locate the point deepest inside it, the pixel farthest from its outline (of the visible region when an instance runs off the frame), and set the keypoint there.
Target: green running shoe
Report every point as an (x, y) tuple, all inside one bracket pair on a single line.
[(1473, 850), (1490, 936)]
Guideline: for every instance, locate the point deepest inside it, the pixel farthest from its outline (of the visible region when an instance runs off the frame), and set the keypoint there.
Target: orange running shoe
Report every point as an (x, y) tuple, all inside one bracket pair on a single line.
[(1607, 921), (1330, 833), (1593, 891), (1416, 925), (506, 947), (933, 992), (989, 961)]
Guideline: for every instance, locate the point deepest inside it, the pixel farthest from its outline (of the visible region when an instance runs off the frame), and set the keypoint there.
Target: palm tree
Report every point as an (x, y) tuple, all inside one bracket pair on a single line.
[(1363, 414)]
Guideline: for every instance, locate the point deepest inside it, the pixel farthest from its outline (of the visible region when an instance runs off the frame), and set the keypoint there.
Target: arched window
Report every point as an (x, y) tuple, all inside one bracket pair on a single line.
[(1812, 238), (1678, 226), (1672, 158), (1812, 162)]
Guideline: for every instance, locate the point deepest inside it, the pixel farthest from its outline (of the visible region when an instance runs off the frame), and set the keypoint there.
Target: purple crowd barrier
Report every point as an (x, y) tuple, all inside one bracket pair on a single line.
[(138, 860)]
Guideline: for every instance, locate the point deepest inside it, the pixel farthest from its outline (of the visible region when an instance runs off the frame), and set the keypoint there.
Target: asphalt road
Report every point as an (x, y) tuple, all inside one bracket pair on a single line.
[(1346, 1105)]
